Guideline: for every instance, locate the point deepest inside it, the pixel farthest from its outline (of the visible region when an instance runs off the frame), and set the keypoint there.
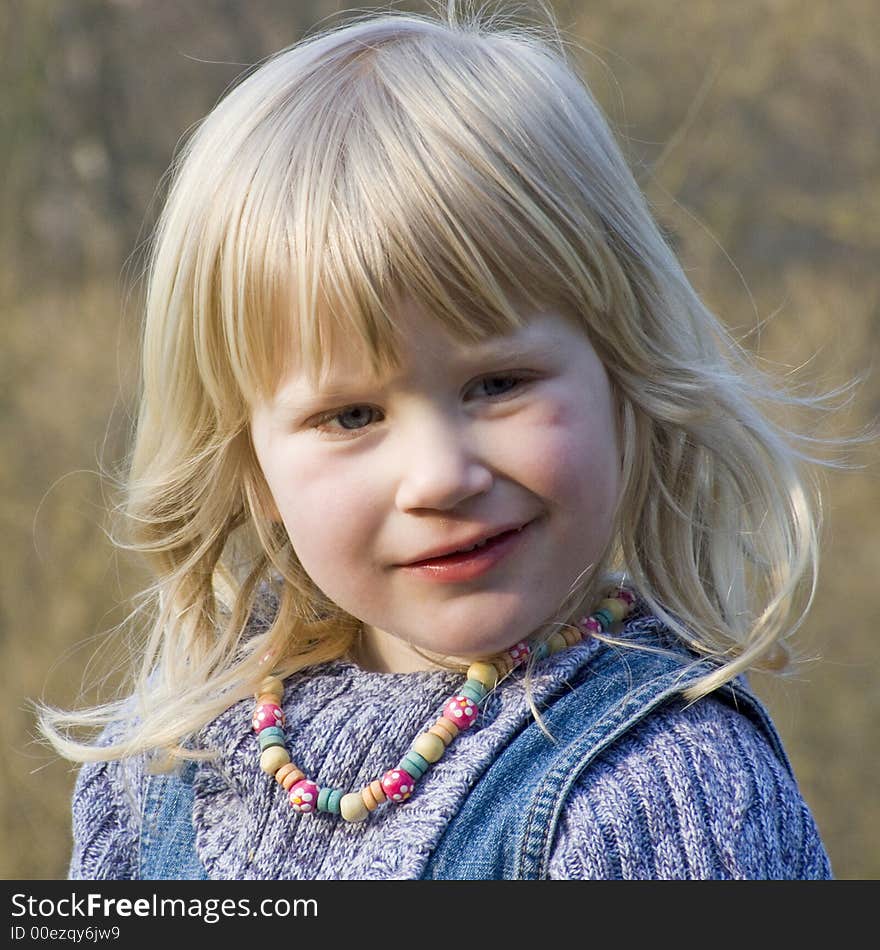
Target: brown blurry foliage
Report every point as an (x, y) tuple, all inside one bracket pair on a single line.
[(753, 128)]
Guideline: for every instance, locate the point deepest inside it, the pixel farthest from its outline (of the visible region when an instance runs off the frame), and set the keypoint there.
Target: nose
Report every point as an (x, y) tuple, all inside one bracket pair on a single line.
[(440, 468)]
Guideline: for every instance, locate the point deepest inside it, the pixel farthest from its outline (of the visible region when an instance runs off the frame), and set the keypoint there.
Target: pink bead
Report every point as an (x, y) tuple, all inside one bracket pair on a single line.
[(626, 595), (398, 785), (303, 796), (461, 710), (267, 714), (590, 625), (519, 653)]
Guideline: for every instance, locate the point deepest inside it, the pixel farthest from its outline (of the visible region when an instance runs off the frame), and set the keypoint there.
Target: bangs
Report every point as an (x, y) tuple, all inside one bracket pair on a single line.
[(415, 163)]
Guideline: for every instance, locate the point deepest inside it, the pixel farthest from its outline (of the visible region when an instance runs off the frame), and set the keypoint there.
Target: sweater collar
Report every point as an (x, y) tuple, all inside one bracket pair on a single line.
[(345, 727)]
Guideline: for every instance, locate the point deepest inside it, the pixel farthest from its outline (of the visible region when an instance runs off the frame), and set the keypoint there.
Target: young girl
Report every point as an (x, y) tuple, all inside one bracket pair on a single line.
[(466, 516)]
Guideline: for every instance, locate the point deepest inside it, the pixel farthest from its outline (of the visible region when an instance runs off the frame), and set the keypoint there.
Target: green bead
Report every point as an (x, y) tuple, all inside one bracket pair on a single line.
[(413, 763), (328, 800), (540, 651), (270, 738), (477, 685), (604, 617), (333, 800), (474, 690), (271, 731)]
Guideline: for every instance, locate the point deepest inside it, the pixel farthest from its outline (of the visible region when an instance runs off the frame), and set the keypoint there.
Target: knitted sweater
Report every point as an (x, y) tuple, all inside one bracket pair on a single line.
[(690, 792)]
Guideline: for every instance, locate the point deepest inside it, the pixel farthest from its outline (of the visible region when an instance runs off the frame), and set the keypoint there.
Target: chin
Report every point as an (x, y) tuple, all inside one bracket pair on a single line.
[(483, 647)]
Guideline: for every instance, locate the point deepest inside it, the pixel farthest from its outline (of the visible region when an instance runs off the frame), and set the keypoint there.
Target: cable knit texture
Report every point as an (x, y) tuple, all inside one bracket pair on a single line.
[(107, 803), (691, 792)]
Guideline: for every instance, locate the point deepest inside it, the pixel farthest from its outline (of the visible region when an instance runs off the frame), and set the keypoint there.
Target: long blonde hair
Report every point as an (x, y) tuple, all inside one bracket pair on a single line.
[(461, 160)]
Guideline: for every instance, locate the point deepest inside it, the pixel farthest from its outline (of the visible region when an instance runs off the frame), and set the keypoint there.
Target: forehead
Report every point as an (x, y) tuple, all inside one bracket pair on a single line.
[(423, 344), (418, 335)]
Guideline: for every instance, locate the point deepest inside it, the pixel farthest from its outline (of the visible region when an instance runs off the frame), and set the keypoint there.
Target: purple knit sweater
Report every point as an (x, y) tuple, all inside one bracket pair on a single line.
[(685, 784)]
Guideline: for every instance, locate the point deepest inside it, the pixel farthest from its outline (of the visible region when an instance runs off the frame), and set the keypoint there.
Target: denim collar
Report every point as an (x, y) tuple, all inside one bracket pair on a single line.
[(346, 727)]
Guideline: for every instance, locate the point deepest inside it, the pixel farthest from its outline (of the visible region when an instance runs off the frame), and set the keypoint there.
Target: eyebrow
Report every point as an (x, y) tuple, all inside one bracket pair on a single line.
[(497, 348), (507, 348), (296, 401)]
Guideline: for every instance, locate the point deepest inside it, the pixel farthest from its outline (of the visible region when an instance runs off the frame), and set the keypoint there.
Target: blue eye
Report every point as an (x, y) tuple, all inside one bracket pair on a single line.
[(359, 416), (499, 385), (350, 420)]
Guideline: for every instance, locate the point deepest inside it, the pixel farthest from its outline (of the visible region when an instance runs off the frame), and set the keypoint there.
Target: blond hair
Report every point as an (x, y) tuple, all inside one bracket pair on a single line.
[(460, 160)]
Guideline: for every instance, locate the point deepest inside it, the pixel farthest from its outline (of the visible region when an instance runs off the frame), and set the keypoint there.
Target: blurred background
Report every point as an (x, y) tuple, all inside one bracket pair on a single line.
[(753, 128)]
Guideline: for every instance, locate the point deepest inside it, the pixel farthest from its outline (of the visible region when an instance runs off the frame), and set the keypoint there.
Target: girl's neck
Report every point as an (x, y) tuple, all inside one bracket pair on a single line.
[(383, 653)]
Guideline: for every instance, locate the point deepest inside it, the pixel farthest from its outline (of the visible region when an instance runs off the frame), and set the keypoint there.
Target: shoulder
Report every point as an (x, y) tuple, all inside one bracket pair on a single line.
[(106, 810), (692, 791)]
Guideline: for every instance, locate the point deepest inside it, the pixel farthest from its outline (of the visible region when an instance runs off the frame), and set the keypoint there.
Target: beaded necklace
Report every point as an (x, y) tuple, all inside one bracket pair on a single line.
[(459, 713)]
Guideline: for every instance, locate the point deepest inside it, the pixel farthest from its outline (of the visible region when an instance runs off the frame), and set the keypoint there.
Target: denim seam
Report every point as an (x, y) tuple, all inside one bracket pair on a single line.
[(548, 802), (153, 794)]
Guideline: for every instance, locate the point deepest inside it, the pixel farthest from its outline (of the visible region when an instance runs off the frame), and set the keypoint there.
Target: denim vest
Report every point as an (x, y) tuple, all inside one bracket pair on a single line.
[(506, 826)]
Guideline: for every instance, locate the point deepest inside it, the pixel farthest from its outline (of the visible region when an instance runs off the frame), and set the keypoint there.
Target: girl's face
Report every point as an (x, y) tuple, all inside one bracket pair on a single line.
[(376, 480)]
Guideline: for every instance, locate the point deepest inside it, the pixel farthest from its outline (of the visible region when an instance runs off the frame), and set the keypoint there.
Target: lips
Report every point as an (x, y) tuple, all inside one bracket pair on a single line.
[(474, 566), (479, 542), (489, 542)]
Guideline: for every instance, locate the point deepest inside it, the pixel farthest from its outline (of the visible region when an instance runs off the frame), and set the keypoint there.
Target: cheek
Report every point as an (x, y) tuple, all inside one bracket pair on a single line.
[(327, 513), (573, 458)]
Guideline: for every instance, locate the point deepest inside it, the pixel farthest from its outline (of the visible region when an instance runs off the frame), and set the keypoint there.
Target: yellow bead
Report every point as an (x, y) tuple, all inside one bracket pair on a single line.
[(447, 724), (556, 642), (430, 746), (271, 685), (571, 635), (617, 608), (377, 791), (369, 798), (483, 673), (273, 758), (444, 736), (289, 780), (352, 807), (283, 772)]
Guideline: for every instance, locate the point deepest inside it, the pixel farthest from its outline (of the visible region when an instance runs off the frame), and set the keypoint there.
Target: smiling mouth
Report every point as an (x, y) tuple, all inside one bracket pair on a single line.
[(462, 554)]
